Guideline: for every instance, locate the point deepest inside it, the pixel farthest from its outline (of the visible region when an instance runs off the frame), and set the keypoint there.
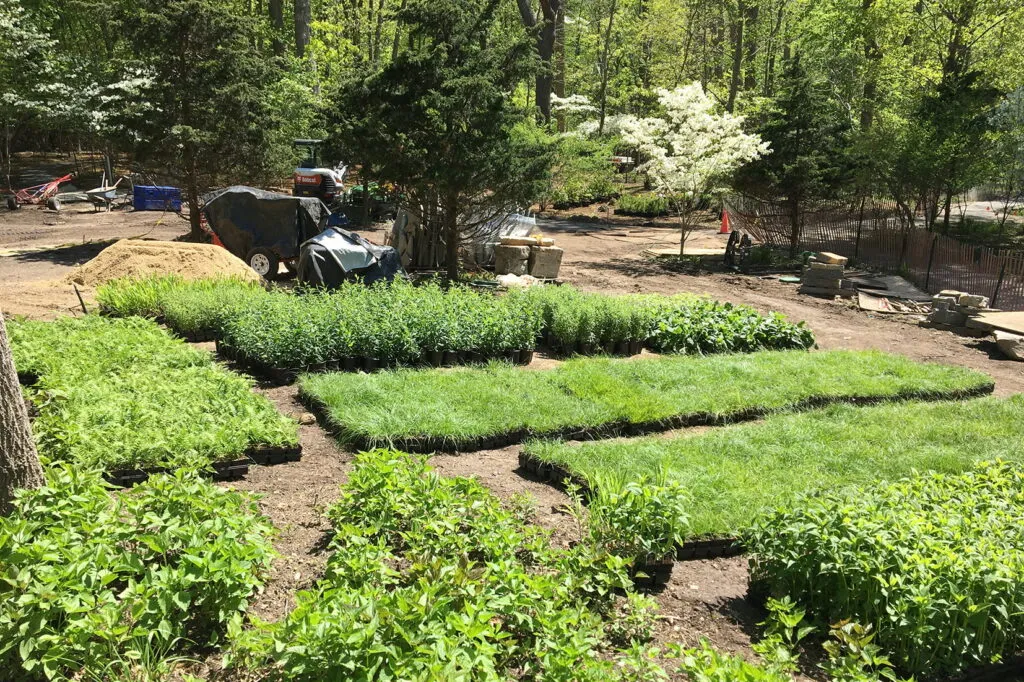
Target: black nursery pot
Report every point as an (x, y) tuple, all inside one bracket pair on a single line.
[(622, 348), (370, 364), (349, 364), (451, 358), (525, 357), (435, 358)]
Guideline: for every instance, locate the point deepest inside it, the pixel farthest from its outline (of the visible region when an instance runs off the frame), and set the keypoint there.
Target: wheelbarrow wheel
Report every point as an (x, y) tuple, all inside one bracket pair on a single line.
[(264, 262), (12, 203), (53, 203)]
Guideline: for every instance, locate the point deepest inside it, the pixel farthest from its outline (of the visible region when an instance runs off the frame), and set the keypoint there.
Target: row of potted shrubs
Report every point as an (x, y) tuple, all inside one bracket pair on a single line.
[(360, 327)]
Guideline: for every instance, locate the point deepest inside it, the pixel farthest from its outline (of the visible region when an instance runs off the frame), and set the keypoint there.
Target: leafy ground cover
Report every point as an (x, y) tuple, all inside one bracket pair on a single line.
[(735, 474), (124, 394), (934, 561), (101, 586), (499, 403)]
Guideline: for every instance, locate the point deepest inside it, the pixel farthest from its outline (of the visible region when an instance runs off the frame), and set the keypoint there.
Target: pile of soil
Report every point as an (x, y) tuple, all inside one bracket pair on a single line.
[(136, 258)]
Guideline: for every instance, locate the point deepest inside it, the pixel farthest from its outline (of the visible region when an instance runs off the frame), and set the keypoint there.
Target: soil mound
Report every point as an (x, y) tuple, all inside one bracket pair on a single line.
[(137, 258)]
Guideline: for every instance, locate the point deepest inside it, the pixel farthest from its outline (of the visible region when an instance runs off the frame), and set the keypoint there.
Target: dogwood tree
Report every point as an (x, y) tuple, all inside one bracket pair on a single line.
[(692, 151)]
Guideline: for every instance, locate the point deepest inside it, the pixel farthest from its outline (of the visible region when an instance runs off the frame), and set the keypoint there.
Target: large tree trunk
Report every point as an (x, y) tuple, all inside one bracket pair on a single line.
[(19, 462), (302, 21), (277, 21), (604, 67), (545, 47), (736, 35), (192, 194)]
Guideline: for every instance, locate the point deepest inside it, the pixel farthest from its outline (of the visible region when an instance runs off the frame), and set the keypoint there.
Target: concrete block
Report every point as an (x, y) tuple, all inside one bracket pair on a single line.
[(973, 301), (828, 292), (1011, 345), (829, 257), (969, 309), (511, 260), (545, 261), (973, 323), (953, 293)]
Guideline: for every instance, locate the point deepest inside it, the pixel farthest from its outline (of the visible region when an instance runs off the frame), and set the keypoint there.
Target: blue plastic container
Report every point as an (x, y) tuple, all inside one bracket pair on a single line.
[(156, 198)]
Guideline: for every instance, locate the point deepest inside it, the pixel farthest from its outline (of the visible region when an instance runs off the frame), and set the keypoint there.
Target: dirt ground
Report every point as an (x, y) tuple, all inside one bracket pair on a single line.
[(703, 599)]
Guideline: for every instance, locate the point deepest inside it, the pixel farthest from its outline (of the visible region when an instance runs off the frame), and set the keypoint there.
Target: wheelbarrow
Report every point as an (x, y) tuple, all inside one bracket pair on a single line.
[(45, 193), (102, 197)]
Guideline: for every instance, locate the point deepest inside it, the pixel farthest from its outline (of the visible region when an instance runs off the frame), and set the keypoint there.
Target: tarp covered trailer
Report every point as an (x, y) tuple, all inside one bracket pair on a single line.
[(263, 228)]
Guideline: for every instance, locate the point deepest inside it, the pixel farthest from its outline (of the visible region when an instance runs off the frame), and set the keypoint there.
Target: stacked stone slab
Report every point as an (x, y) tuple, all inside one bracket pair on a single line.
[(953, 309), (823, 275), (527, 255)]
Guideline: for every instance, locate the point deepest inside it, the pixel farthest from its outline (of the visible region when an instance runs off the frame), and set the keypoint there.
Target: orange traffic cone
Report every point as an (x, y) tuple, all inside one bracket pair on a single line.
[(725, 223)]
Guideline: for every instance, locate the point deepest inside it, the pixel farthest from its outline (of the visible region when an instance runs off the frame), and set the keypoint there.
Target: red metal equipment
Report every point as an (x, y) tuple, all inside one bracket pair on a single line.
[(37, 194)]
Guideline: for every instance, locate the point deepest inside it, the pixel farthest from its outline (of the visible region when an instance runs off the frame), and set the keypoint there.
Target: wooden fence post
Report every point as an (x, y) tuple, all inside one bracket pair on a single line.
[(999, 283), (931, 257)]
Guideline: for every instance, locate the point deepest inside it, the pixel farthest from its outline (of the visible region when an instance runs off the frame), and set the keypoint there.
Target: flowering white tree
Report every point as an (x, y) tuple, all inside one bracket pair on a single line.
[(691, 152)]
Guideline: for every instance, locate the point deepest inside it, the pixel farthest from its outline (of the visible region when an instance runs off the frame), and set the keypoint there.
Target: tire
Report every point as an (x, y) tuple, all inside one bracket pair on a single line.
[(53, 203), (12, 203), (264, 263)]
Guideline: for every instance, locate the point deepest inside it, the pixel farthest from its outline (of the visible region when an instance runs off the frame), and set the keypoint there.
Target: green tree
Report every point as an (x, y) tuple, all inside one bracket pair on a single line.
[(210, 92), (809, 134), (438, 121)]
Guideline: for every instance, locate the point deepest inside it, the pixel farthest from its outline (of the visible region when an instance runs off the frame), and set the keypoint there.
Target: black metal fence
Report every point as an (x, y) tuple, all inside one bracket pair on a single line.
[(876, 233)]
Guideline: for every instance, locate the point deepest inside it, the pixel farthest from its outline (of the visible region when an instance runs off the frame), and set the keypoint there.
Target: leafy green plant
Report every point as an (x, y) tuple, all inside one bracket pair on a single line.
[(930, 563), (92, 578), (647, 205), (705, 326), (640, 520), (430, 578), (124, 394), (704, 664)]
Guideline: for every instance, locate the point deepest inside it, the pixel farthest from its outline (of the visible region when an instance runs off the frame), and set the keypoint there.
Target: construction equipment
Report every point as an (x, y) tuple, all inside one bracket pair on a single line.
[(45, 193), (311, 179)]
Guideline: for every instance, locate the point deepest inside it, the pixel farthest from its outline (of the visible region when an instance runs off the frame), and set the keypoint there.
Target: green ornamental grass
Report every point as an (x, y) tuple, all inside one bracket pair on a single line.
[(458, 406), (735, 474)]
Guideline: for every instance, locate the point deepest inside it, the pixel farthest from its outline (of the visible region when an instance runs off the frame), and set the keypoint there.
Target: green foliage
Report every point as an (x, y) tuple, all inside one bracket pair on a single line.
[(437, 120), (646, 205), (124, 394), (642, 520), (704, 664), (930, 562), (582, 172), (705, 326), (189, 307), (735, 474), (396, 322), (90, 578), (462, 405), (430, 578)]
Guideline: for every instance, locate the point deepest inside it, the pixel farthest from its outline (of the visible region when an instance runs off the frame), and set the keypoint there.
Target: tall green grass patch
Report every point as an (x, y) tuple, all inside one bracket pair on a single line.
[(457, 406), (737, 473)]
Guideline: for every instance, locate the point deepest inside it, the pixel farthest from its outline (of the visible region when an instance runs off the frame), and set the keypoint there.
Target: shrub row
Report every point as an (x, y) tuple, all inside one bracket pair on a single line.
[(394, 323), (398, 323), (498, 404), (737, 473), (101, 586), (124, 394), (934, 562), (431, 578), (644, 205)]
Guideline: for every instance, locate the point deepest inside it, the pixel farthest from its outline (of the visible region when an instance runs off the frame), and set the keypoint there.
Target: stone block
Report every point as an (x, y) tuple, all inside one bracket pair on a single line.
[(950, 317), (1010, 345), (825, 267), (953, 293), (973, 301), (511, 260), (545, 261)]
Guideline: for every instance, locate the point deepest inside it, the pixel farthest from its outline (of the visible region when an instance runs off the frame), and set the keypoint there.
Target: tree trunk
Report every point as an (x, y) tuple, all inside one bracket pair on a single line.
[(750, 61), (398, 32), (302, 21), (545, 48), (192, 194), (559, 71), (604, 67), (794, 226), (451, 238), (277, 21), (736, 34), (19, 462)]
